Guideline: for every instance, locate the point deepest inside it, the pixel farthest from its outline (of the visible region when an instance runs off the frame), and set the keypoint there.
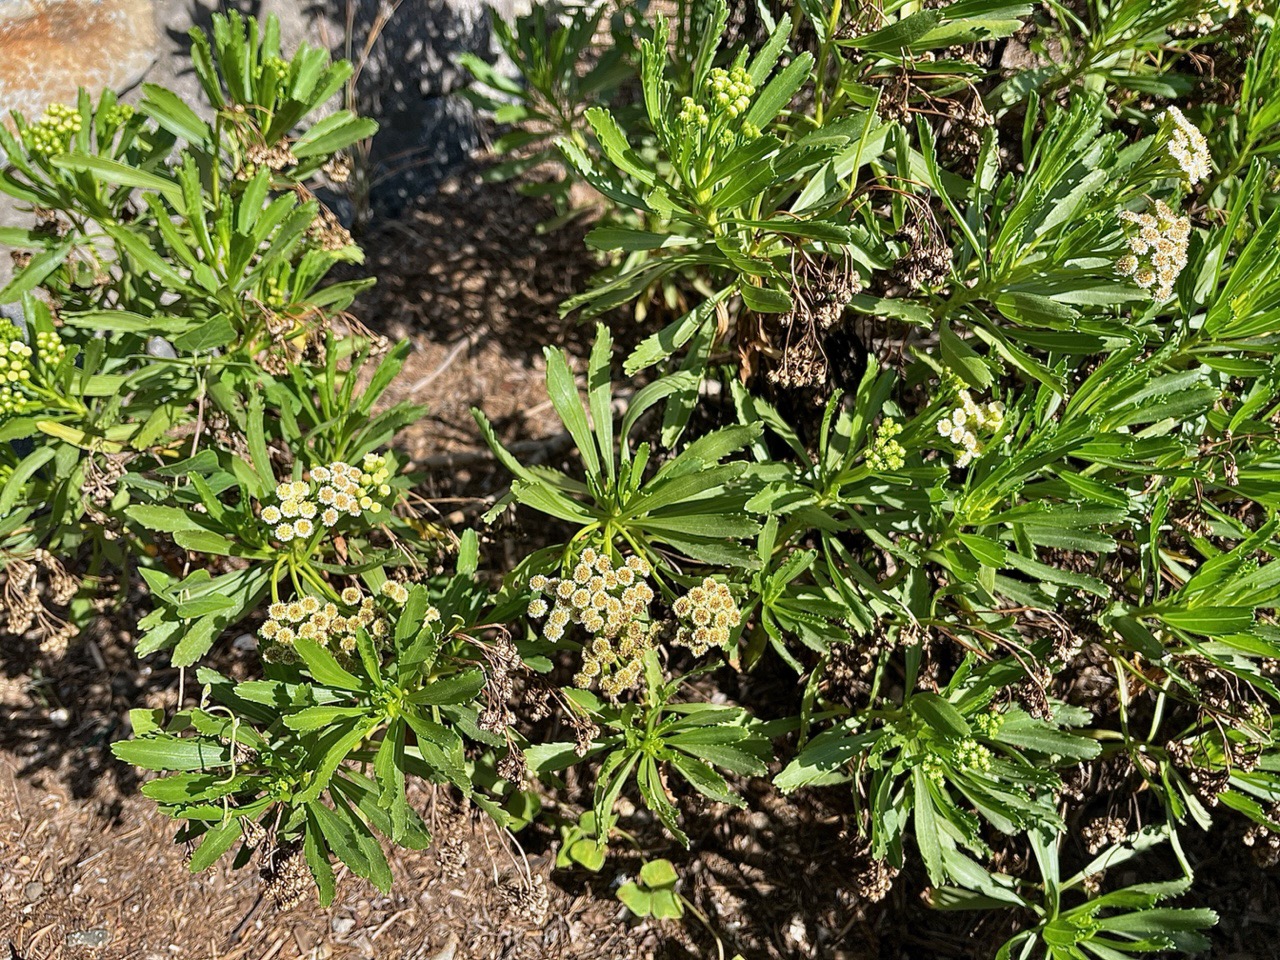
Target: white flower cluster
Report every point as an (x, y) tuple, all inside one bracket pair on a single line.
[(610, 604), (1187, 145), (324, 622), (709, 613), (1158, 249), (396, 592), (966, 421), (333, 492), (330, 624)]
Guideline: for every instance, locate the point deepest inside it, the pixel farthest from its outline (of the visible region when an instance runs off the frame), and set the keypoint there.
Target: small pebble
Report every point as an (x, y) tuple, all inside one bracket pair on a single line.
[(342, 925), (161, 348), (97, 937), (33, 891)]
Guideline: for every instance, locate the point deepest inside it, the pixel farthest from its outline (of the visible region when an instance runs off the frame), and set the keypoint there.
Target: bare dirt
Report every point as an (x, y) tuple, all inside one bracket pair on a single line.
[(88, 868)]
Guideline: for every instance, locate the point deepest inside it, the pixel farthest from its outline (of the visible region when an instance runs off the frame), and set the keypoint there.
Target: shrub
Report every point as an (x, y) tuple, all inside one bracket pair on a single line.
[(955, 401)]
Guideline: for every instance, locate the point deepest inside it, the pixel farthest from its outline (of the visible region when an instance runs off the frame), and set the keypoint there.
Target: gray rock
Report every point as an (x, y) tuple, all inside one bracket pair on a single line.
[(97, 937), (342, 925), (14, 314), (49, 48), (33, 891), (161, 348)]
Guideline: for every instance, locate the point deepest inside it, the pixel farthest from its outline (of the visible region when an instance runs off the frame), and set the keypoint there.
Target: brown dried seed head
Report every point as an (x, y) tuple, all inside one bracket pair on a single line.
[(529, 899), (287, 878), (451, 857)]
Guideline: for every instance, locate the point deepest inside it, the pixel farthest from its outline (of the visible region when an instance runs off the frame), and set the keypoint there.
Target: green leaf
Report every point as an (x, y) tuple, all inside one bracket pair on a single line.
[(337, 747), (765, 299), (164, 519), (1210, 621), (171, 753), (35, 272), (317, 856), (639, 902), (541, 497), (1026, 733), (114, 171), (324, 668), (671, 338), (600, 397), (897, 36), (316, 718), (204, 541), (622, 238), (213, 334), (658, 873), (172, 113), (122, 321), (985, 550), (961, 32), (614, 143), (333, 133), (779, 91), (941, 715), (459, 688), (568, 405), (963, 359), (16, 485), (216, 841), (1033, 309), (926, 826)]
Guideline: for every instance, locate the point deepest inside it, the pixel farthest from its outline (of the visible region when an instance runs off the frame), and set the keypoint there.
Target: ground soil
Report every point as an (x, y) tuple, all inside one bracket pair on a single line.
[(474, 284)]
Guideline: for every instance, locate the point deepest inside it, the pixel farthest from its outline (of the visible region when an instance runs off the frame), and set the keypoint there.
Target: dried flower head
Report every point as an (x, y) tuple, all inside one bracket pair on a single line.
[(874, 881), (821, 290), (1103, 832), (927, 260), (1265, 841), (451, 856), (287, 878), (276, 157), (338, 168), (327, 232), (528, 899), (24, 605)]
